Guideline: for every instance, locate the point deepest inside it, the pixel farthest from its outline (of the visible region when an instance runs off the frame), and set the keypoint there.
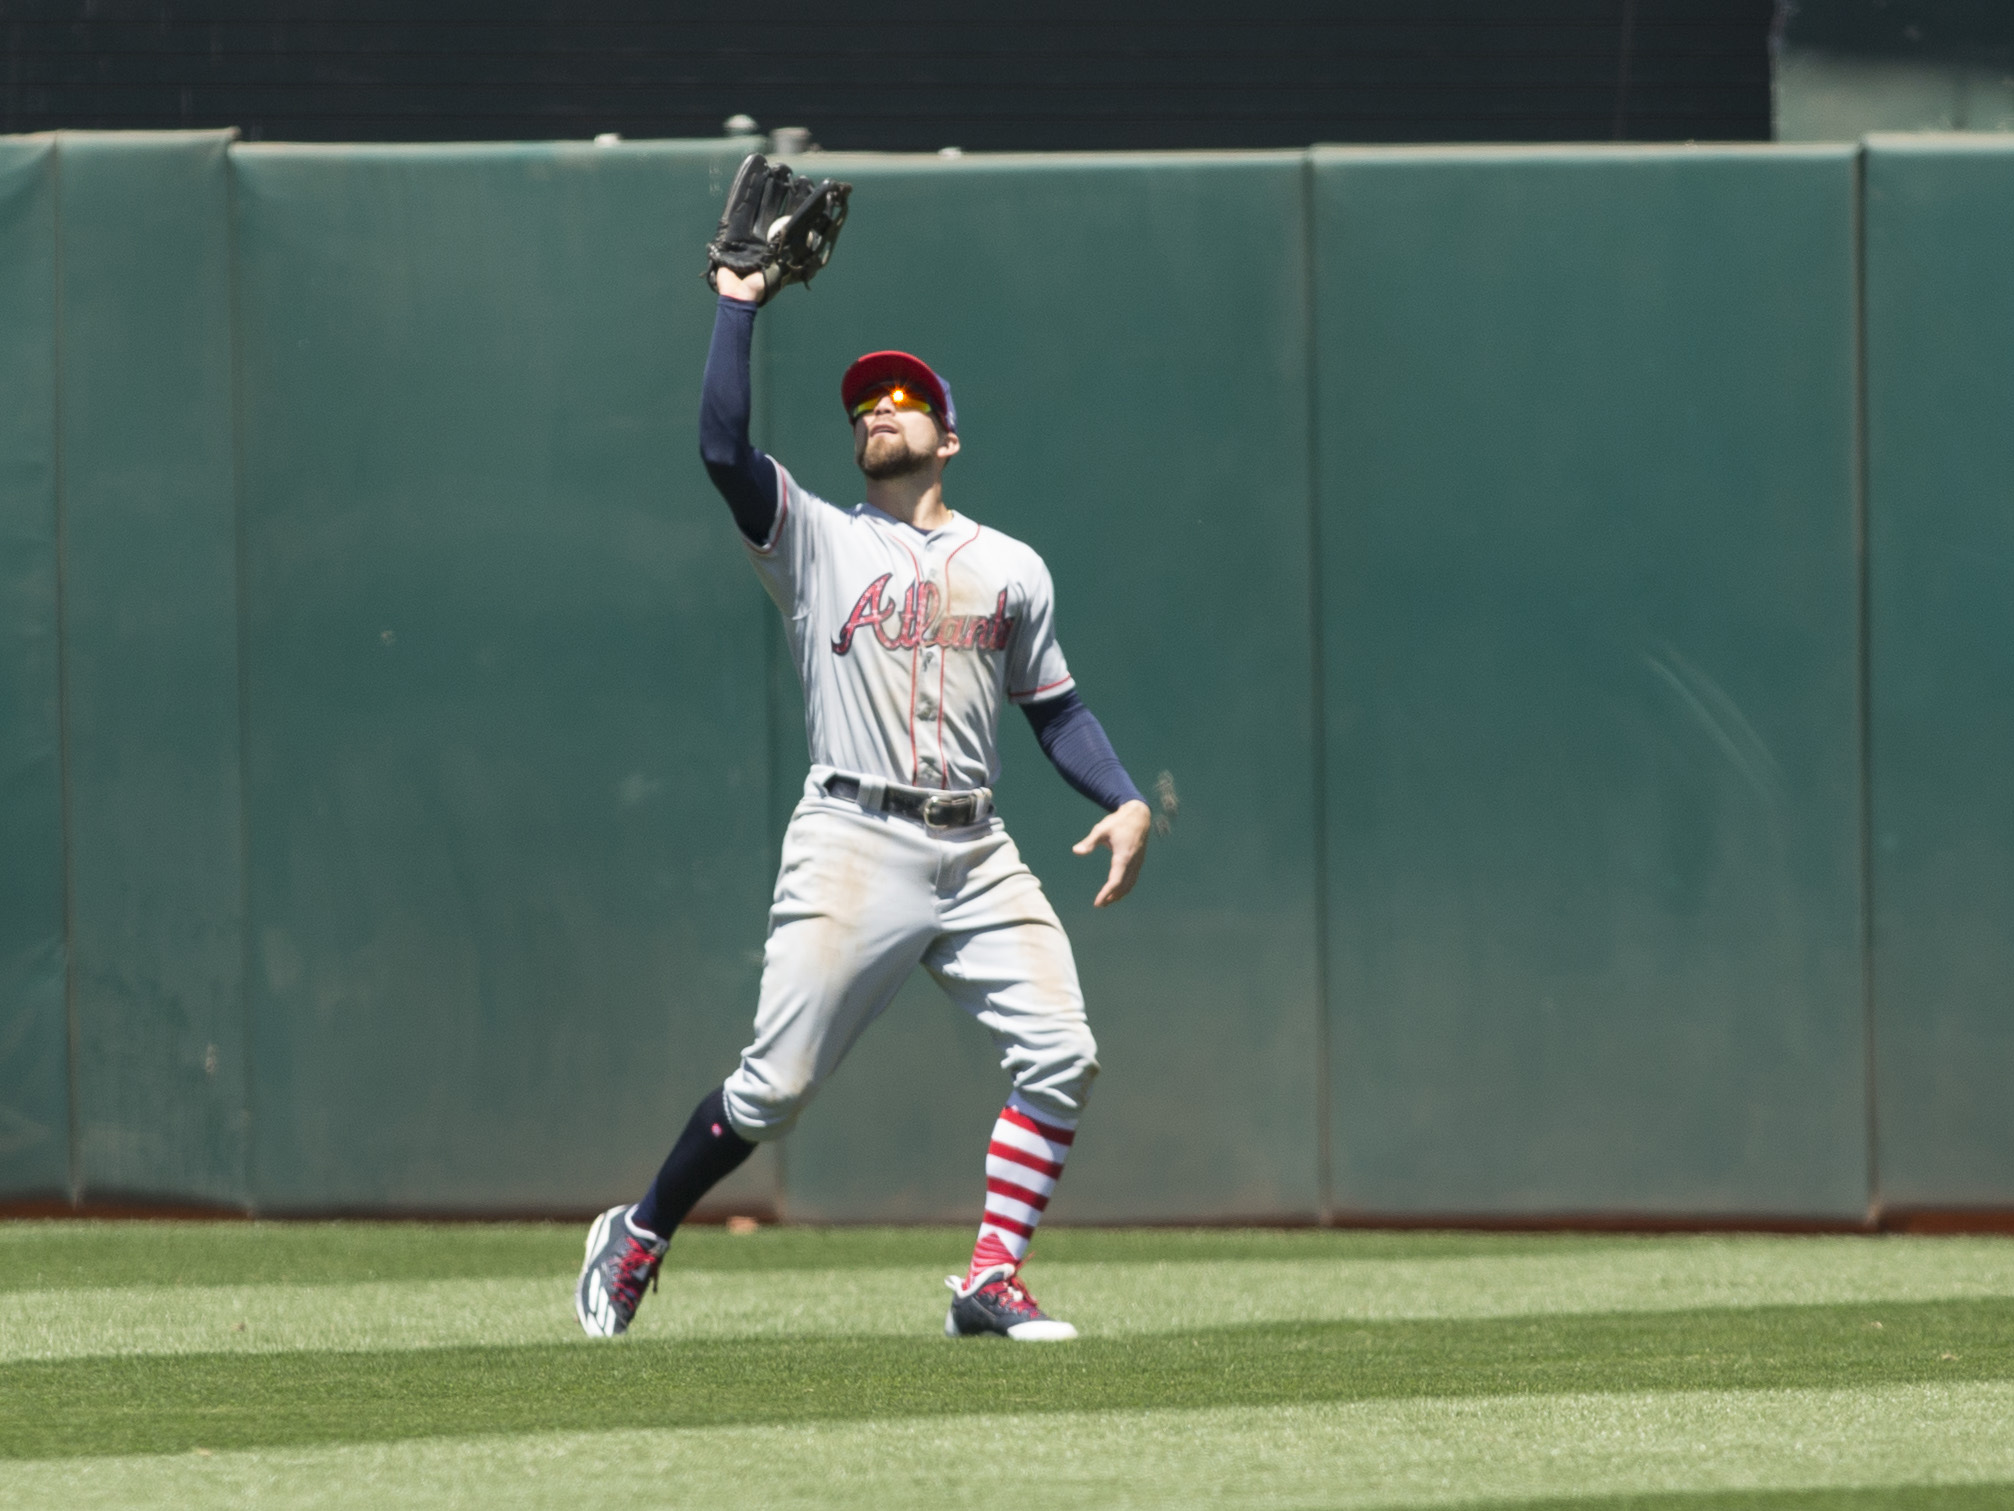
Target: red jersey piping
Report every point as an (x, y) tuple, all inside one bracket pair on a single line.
[(1036, 692)]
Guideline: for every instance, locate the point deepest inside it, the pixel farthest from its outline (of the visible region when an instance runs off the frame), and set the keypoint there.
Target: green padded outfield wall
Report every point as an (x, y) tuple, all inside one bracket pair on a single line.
[(1940, 434), (1589, 592), (150, 638), (505, 679), (34, 1098), (1145, 428), (1574, 448)]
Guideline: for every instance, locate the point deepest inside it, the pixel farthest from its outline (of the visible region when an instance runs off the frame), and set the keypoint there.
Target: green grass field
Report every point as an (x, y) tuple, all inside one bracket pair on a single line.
[(167, 1365)]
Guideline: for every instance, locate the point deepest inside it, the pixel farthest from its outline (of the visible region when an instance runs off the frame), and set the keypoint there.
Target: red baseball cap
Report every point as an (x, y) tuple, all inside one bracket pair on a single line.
[(877, 369)]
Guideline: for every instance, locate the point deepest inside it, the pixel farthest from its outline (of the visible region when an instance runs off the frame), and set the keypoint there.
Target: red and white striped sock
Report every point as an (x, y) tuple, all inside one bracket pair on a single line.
[(1023, 1160)]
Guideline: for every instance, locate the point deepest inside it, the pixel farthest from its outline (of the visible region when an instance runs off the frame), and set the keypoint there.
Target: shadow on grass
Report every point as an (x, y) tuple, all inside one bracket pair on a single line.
[(166, 1404)]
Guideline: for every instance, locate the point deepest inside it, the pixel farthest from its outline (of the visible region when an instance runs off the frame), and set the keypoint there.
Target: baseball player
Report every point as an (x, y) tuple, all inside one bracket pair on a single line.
[(911, 625)]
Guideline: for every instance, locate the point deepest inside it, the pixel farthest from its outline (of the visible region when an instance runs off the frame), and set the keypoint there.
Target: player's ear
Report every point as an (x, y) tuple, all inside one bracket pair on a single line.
[(947, 445)]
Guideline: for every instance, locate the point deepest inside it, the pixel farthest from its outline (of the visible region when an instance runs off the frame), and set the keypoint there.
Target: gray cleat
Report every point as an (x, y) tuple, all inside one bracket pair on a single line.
[(619, 1265)]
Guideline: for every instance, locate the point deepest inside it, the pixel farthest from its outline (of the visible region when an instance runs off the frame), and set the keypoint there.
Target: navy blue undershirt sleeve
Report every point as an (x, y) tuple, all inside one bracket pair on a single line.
[(1074, 740), (745, 477)]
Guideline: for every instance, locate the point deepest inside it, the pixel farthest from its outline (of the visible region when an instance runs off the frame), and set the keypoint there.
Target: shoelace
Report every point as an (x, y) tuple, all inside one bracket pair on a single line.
[(1016, 1295), (636, 1266)]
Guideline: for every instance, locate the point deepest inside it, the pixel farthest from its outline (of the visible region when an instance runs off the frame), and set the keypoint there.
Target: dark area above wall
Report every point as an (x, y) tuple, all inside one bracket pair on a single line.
[(1960, 31), (1053, 77)]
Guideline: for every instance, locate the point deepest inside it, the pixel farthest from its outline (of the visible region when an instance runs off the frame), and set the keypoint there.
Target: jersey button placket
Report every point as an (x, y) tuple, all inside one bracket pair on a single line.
[(928, 685), (929, 673), (926, 689)]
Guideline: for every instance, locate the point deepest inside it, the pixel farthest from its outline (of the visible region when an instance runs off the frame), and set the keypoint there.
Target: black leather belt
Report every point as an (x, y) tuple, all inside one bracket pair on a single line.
[(933, 810)]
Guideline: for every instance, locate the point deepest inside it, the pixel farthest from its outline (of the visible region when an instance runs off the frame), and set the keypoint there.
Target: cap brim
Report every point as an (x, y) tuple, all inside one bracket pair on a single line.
[(880, 369)]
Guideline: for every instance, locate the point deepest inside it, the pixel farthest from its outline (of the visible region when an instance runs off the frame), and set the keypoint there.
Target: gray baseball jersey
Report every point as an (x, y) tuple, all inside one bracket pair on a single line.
[(908, 642)]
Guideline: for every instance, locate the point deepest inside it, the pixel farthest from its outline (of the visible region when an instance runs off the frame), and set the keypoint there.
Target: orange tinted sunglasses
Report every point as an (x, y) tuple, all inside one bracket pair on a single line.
[(901, 398)]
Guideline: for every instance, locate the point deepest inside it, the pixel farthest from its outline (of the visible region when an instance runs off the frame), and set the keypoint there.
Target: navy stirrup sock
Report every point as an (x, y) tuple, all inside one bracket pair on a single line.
[(706, 1154)]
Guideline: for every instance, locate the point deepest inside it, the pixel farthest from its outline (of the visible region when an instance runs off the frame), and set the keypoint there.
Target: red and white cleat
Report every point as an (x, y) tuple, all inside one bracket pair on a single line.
[(995, 1301)]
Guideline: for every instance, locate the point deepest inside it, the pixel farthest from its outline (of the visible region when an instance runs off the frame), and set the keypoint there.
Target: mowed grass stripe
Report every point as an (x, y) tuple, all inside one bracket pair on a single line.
[(172, 1404), (1716, 1447), (1983, 1495), (50, 1255), (1109, 1300)]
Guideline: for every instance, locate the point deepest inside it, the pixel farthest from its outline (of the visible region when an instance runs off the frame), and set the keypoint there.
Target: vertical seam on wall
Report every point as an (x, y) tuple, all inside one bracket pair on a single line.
[(247, 1040), (1318, 706), (1864, 684), (62, 645)]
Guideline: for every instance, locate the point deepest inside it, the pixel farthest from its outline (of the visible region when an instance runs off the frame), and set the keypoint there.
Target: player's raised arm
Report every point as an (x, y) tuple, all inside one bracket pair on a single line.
[(776, 229), (745, 477)]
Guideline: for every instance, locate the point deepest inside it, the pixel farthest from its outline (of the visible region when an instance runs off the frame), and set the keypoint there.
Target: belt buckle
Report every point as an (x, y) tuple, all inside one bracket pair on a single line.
[(941, 802)]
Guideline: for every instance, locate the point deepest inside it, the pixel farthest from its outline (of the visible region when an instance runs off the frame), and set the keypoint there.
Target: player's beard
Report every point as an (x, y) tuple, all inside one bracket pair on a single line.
[(885, 456)]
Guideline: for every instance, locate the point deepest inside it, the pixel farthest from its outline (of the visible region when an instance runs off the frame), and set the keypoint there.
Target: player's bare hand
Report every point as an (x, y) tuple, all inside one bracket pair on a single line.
[(748, 290), (1124, 833)]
